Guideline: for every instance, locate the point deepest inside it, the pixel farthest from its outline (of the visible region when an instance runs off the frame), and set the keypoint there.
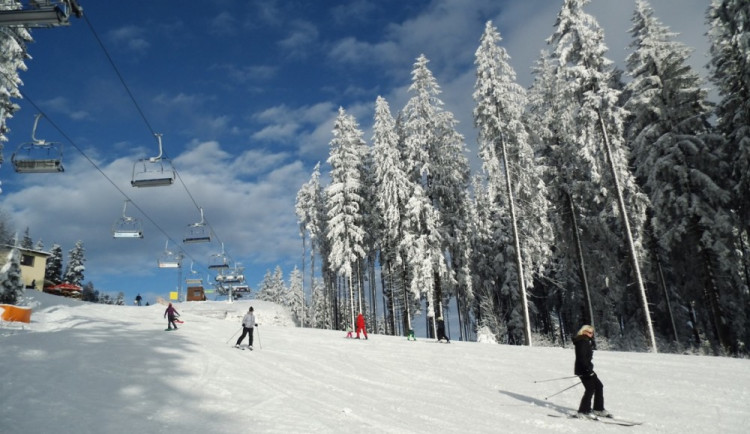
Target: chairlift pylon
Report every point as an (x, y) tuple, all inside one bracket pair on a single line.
[(154, 171), (38, 156), (197, 232), (127, 227), (170, 259)]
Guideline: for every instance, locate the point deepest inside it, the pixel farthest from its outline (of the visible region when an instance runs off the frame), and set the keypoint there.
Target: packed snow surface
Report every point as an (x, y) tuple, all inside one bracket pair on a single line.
[(91, 368)]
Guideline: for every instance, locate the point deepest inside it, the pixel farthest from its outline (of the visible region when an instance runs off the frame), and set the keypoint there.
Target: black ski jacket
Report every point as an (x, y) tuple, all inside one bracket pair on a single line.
[(584, 366)]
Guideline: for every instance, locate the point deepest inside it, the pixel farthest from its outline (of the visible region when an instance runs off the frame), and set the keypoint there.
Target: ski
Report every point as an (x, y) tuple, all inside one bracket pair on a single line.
[(609, 420), (169, 330), (243, 348)]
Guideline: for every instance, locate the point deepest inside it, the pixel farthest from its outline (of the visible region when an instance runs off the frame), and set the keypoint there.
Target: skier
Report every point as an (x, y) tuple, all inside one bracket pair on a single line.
[(584, 369), (138, 300), (441, 330), (171, 313), (361, 325), (248, 322)]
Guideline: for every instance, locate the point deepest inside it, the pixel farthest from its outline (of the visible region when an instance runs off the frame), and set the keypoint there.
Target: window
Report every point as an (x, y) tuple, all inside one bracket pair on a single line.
[(27, 260)]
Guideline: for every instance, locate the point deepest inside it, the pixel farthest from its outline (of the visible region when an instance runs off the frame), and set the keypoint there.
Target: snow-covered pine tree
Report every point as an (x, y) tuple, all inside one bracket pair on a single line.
[(393, 189), (729, 34), (500, 104), (676, 161), (12, 55), (344, 201), (488, 262), (74, 271), (435, 155), (593, 177), (26, 241), (11, 284), (295, 297), (371, 241), (54, 268)]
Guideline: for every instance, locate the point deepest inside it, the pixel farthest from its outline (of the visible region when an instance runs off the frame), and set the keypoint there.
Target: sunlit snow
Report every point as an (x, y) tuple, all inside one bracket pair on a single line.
[(91, 368)]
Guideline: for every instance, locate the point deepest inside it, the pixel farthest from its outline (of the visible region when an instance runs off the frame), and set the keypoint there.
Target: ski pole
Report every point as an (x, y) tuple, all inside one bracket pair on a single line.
[(260, 346), (235, 334), (569, 387), (555, 379)]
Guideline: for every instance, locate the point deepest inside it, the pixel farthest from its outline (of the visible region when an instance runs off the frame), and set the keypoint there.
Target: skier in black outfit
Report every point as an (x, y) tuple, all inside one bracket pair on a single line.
[(441, 330), (584, 369)]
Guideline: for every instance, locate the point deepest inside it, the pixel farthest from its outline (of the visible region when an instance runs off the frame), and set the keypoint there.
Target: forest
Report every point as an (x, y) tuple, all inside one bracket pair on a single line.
[(619, 199)]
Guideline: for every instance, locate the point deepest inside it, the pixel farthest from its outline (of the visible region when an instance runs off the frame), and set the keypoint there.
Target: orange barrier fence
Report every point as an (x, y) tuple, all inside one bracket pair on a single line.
[(16, 313)]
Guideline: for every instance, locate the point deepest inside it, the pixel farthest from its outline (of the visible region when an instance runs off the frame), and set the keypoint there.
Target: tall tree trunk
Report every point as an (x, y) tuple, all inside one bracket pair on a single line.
[(581, 261), (304, 255), (517, 247), (628, 234)]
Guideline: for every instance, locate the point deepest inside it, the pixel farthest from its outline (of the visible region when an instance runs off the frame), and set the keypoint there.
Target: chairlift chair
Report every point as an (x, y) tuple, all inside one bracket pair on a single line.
[(218, 261), (197, 232), (153, 172), (170, 259), (127, 227), (38, 156)]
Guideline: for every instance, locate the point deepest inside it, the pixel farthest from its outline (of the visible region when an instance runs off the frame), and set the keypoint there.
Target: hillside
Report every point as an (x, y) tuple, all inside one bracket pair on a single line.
[(90, 368)]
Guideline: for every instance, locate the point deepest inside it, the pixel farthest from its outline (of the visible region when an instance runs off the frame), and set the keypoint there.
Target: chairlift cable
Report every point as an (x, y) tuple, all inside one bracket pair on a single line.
[(143, 116)]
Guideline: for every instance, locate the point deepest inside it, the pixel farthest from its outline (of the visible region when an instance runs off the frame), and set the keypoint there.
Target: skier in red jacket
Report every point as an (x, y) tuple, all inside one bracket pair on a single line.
[(361, 325)]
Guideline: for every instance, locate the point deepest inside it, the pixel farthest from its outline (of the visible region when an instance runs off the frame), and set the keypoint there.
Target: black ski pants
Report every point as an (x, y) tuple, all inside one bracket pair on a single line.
[(246, 331), (595, 388)]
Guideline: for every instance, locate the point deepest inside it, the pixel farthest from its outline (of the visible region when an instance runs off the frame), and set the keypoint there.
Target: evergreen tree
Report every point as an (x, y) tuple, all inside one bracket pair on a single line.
[(74, 271), (593, 181), (27, 242), (435, 155), (89, 293), (54, 267), (500, 104), (13, 41), (11, 284), (344, 201), (675, 155), (729, 34), (393, 190), (310, 210), (295, 296)]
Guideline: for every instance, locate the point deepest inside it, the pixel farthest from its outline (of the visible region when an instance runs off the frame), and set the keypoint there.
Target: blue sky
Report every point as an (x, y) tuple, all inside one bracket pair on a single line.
[(245, 94)]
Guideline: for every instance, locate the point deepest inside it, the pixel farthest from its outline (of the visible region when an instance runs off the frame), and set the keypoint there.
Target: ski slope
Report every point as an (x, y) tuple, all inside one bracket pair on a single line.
[(90, 368)]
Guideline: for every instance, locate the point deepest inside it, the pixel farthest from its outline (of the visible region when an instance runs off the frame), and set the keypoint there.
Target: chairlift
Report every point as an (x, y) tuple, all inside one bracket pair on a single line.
[(38, 156), (218, 261), (197, 232), (127, 227), (153, 172), (235, 276), (170, 259), (193, 281)]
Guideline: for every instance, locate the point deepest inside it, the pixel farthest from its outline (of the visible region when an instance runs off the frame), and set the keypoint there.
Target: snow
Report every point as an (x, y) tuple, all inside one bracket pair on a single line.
[(91, 368)]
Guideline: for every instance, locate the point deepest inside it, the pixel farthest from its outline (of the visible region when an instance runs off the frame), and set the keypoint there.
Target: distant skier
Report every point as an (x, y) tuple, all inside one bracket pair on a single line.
[(584, 369), (441, 330), (361, 325), (248, 322), (171, 314), (138, 300)]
